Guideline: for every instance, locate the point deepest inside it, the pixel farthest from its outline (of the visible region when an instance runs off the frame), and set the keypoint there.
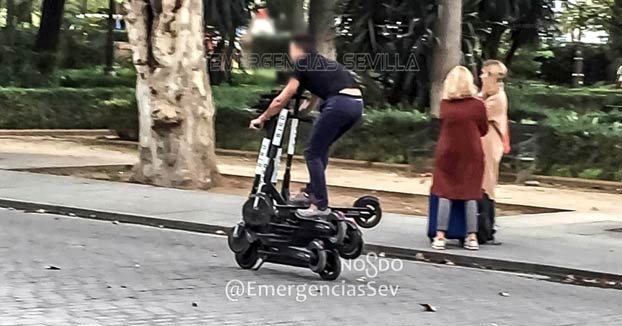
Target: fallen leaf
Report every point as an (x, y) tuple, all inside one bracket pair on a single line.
[(427, 307), (52, 268)]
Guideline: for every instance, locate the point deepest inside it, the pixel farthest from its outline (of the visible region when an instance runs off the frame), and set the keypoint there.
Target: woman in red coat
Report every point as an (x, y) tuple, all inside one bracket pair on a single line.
[(459, 169)]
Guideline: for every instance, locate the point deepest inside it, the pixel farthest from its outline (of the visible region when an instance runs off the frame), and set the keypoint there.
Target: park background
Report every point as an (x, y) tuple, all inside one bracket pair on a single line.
[(67, 65)]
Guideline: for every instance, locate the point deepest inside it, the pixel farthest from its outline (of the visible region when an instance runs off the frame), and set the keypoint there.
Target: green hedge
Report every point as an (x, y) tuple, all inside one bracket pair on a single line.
[(538, 100), (585, 145)]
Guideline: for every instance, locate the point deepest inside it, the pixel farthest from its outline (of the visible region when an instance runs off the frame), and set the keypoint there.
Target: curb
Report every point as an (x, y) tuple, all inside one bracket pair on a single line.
[(551, 273), (55, 132)]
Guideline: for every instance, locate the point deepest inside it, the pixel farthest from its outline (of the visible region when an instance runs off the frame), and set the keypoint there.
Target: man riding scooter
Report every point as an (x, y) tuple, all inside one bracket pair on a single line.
[(341, 109)]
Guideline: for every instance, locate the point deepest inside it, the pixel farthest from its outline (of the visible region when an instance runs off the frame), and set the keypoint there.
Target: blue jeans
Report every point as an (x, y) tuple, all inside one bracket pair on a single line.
[(338, 114)]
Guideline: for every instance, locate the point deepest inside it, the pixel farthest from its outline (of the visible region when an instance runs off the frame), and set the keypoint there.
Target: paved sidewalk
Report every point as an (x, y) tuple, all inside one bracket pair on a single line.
[(570, 240), (37, 152)]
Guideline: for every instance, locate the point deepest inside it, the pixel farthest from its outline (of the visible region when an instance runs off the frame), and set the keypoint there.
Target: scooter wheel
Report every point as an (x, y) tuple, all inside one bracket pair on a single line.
[(333, 266), (317, 261), (237, 239), (352, 246), (373, 205), (247, 259), (340, 228), (257, 210)]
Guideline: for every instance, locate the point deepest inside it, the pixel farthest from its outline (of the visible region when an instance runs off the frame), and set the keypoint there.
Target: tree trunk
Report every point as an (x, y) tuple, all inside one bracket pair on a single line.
[(615, 28), (11, 22), (493, 42), (447, 51), (177, 142), (289, 15), (51, 21), (509, 57), (322, 26), (298, 16), (109, 60)]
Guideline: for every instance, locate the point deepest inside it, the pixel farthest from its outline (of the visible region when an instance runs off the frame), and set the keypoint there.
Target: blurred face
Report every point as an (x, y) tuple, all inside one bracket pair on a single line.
[(485, 74), (295, 52), (487, 77)]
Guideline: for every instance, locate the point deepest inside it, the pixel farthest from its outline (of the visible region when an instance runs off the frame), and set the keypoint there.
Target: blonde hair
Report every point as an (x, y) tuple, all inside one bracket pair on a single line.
[(459, 84), (496, 68)]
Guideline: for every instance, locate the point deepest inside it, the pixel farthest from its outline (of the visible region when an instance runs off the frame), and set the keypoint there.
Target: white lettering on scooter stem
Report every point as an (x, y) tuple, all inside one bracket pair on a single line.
[(263, 157), (280, 128), (293, 131), (277, 162)]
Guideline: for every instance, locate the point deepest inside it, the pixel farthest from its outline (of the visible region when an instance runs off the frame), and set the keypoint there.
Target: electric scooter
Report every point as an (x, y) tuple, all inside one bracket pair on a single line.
[(366, 210), (271, 231)]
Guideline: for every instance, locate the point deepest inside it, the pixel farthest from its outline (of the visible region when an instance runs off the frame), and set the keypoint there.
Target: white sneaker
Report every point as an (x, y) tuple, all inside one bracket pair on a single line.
[(438, 243), (312, 211), (471, 244)]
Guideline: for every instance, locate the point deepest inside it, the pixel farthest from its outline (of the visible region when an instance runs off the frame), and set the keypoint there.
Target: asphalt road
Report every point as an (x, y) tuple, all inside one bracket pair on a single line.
[(66, 271)]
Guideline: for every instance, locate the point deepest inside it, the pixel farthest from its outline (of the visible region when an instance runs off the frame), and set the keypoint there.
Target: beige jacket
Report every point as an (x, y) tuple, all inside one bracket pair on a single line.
[(492, 143)]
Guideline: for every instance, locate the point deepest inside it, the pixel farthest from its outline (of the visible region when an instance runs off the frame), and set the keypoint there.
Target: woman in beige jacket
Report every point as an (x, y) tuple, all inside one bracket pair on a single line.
[(494, 143)]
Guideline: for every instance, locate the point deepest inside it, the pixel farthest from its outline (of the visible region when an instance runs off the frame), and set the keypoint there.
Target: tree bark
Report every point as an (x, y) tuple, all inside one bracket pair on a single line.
[(177, 142), (51, 21), (322, 26), (289, 15), (493, 42), (447, 51), (298, 16), (11, 22), (615, 28)]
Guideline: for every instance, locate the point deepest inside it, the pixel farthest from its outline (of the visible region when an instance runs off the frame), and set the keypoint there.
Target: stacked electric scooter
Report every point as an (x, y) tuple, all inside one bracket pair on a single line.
[(270, 230)]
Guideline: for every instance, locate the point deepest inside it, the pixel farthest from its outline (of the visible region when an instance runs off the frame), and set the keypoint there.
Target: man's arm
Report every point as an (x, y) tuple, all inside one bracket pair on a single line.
[(277, 104)]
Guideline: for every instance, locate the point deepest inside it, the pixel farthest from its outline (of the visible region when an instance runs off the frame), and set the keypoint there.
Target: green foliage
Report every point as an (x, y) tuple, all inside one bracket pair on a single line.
[(265, 77), (401, 30), (558, 69), (584, 143), (583, 15), (52, 108), (96, 77)]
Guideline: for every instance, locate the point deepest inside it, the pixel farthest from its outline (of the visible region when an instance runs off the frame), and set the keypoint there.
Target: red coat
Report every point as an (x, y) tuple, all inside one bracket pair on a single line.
[(459, 166)]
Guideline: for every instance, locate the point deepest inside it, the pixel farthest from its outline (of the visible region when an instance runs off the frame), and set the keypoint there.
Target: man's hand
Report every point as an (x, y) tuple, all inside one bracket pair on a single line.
[(256, 123)]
